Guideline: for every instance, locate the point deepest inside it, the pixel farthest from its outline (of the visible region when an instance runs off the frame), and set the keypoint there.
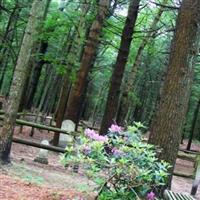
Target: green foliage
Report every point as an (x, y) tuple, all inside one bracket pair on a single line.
[(61, 29), (120, 163)]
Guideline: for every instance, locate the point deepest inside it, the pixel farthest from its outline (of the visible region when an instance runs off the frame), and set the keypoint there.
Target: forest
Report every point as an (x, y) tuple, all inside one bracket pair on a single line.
[(99, 99)]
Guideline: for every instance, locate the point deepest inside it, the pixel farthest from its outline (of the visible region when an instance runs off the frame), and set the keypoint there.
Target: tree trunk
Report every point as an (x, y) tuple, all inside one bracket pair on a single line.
[(28, 71), (52, 93), (125, 99), (196, 112), (138, 111), (62, 104), (7, 40), (37, 68), (43, 84), (96, 105), (19, 79), (6, 92), (167, 123), (46, 90), (88, 56), (114, 91)]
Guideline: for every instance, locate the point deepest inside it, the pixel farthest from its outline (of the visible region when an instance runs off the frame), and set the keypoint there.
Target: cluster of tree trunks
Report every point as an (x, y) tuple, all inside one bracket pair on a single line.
[(116, 80), (125, 101), (19, 78), (79, 88)]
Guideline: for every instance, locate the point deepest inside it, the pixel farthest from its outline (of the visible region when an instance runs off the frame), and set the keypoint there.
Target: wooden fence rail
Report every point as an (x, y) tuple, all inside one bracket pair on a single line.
[(40, 126), (38, 145)]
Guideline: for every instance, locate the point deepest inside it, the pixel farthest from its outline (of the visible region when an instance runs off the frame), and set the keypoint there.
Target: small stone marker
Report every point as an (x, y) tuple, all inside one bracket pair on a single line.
[(48, 120), (42, 157), (64, 139)]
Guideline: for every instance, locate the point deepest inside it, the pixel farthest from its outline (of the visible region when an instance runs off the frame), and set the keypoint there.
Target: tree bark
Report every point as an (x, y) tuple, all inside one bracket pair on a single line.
[(7, 40), (114, 91), (75, 101), (52, 94), (167, 123), (62, 104), (43, 84), (46, 89), (125, 99), (19, 79)]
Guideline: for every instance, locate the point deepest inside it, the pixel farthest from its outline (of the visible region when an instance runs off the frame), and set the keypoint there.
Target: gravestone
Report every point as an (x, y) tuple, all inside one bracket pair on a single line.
[(48, 120), (64, 140), (42, 157)]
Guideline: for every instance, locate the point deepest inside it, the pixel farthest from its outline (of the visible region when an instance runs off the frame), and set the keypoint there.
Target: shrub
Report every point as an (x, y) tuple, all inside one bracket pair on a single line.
[(121, 164)]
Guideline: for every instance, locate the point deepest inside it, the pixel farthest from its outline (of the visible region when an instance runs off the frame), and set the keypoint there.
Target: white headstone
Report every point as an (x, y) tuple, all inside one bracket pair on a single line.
[(42, 157), (69, 126), (48, 120)]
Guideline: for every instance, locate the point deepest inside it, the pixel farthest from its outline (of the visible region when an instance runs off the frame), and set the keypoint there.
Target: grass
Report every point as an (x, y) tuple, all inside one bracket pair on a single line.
[(27, 175)]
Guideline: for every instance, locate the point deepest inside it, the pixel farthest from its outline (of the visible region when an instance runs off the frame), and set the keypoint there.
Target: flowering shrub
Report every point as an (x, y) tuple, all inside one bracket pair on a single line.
[(120, 163)]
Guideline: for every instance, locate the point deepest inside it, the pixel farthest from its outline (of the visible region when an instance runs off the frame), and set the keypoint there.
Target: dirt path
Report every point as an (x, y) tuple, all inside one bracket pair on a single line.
[(27, 180), (15, 189)]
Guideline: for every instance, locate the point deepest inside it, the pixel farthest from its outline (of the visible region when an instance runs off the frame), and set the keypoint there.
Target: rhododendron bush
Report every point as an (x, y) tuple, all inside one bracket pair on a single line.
[(121, 164)]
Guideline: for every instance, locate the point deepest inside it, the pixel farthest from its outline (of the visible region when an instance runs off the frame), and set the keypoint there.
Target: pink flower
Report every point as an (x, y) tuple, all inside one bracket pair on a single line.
[(100, 138), (151, 196), (117, 152), (89, 132), (93, 135), (115, 128)]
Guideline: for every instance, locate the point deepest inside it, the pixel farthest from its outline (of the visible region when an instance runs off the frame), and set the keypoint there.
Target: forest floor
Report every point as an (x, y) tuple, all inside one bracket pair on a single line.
[(28, 180)]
